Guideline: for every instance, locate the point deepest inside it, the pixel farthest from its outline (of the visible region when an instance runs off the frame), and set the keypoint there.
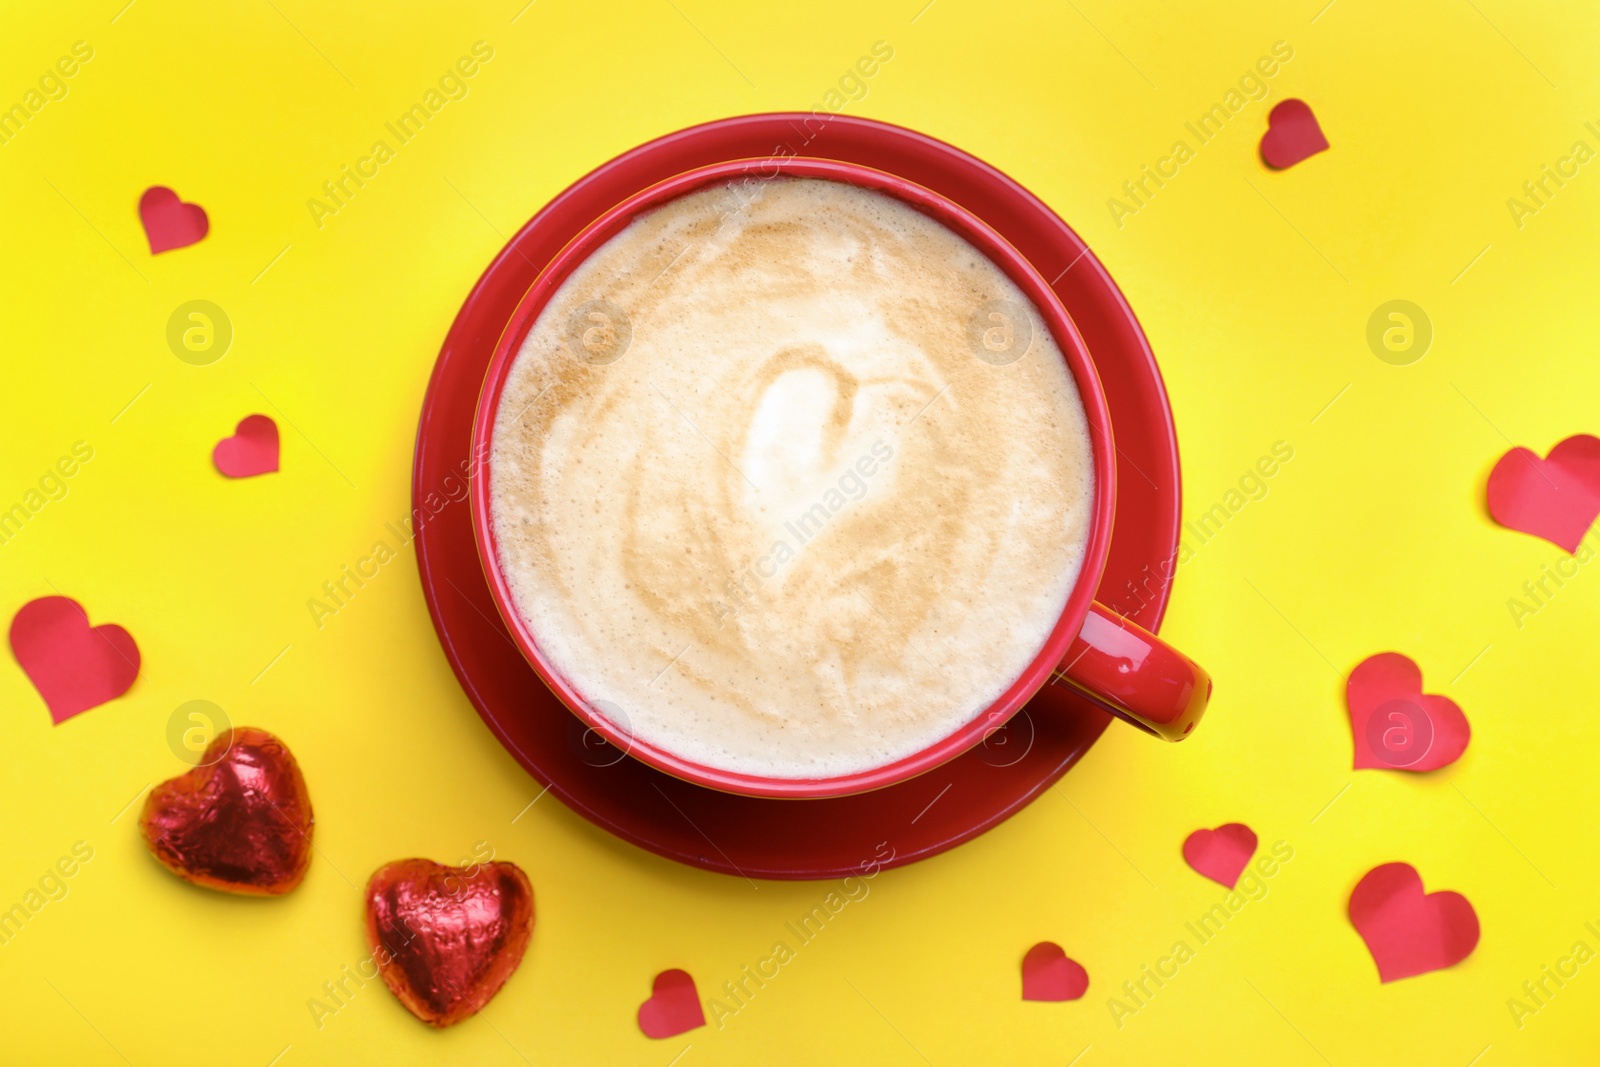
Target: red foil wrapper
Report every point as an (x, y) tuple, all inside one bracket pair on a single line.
[(445, 939), (240, 821)]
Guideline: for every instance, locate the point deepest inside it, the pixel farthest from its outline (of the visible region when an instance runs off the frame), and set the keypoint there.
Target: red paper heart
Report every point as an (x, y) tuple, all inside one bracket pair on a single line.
[(1556, 498), (1395, 725), (673, 1007), (253, 448), (1048, 973), (74, 667), (1292, 135), (1221, 854), (1407, 931), (447, 938), (169, 222), (239, 821)]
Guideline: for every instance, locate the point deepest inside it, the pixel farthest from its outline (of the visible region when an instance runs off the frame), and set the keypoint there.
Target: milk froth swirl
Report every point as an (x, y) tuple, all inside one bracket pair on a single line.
[(769, 476)]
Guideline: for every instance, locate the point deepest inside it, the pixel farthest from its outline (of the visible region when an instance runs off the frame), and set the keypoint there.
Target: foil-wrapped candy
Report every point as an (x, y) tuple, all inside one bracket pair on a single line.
[(445, 939), (240, 821)]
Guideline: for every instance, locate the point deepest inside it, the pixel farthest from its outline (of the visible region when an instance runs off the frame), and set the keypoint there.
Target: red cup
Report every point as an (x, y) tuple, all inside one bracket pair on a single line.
[(1110, 661)]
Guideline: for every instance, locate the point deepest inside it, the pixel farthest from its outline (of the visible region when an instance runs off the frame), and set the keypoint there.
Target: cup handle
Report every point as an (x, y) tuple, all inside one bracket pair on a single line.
[(1127, 670)]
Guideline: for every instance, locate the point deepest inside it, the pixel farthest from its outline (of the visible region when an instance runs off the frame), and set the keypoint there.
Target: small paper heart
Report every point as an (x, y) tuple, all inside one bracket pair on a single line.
[(1292, 136), (446, 939), (74, 666), (1556, 498), (1410, 932), (673, 1007), (239, 821), (1049, 974), (169, 222), (1221, 854), (252, 450), (1395, 725)]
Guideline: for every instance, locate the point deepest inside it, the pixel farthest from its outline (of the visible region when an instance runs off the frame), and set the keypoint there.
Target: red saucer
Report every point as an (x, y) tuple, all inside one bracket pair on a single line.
[(749, 836)]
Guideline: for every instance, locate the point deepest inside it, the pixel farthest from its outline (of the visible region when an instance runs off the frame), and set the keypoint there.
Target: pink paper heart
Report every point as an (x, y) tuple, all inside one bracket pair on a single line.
[(169, 222), (1293, 135), (1395, 725), (1556, 498), (74, 666), (1410, 932), (253, 448), (1049, 974), (673, 1007), (1221, 854)]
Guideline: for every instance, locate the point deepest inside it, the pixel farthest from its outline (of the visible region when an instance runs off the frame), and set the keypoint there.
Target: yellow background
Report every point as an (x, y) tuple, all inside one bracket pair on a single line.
[(1255, 288)]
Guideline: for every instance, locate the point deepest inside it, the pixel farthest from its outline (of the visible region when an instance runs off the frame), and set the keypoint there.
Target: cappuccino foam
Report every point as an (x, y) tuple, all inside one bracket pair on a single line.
[(789, 479)]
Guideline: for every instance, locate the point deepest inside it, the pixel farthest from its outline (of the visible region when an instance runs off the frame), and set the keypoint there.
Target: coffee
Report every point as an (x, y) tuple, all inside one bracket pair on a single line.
[(789, 479)]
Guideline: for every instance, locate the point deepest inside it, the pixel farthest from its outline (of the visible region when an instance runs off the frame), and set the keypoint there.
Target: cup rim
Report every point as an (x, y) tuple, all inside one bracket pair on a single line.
[(1000, 252)]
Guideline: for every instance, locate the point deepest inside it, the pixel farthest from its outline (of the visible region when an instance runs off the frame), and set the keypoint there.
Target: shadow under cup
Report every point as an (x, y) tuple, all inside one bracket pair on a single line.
[(1112, 662)]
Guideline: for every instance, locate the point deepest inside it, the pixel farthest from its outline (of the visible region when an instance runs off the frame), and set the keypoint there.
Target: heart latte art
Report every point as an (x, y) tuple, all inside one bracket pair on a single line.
[(789, 479)]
